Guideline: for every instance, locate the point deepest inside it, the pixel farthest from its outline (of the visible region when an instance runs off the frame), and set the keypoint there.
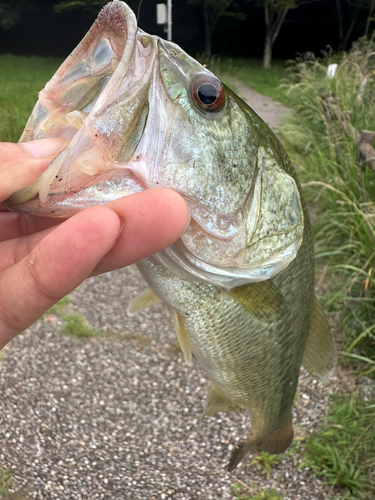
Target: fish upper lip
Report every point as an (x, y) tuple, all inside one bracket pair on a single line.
[(109, 51)]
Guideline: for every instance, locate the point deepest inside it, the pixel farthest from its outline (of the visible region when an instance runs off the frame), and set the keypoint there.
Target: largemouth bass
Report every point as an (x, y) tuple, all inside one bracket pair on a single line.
[(140, 113)]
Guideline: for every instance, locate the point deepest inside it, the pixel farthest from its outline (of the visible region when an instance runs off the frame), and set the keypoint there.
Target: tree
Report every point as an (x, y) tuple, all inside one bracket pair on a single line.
[(369, 17), (346, 13), (213, 10), (275, 12), (11, 11), (91, 5)]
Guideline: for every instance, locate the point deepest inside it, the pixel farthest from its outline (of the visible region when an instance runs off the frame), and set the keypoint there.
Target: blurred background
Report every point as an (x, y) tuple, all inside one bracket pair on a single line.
[(236, 27)]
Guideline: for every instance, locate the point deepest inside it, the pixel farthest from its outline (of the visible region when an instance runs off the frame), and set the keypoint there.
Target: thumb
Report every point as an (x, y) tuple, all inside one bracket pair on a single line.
[(21, 164)]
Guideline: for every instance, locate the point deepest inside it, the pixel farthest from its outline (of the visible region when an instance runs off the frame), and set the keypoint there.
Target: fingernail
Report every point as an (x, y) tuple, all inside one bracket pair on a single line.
[(43, 148), (121, 228)]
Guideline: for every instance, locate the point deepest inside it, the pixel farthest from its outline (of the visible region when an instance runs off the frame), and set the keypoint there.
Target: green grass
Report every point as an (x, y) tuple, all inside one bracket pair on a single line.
[(241, 493), (59, 308), (73, 324), (21, 78), (76, 324), (266, 461), (338, 184), (340, 189), (6, 481), (342, 451)]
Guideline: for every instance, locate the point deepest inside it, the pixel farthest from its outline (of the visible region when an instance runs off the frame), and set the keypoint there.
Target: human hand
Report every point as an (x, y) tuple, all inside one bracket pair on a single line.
[(43, 259)]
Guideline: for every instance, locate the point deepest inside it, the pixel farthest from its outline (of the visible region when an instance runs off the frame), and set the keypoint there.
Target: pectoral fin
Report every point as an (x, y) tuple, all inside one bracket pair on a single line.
[(320, 355), (262, 299), (142, 301), (182, 336), (216, 401)]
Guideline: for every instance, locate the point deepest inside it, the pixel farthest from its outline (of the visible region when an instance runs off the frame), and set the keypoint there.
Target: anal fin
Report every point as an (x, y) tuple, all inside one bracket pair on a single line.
[(262, 299), (142, 301), (320, 355), (182, 336), (216, 401)]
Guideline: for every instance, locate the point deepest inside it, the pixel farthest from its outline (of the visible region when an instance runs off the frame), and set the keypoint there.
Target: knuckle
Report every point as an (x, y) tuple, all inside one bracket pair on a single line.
[(38, 278), (28, 224)]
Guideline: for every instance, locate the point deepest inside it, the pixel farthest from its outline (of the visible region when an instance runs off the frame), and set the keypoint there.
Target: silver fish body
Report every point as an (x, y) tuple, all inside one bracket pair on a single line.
[(140, 113)]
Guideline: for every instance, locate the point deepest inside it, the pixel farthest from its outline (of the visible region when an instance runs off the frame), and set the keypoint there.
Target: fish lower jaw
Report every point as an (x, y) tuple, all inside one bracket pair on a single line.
[(187, 266)]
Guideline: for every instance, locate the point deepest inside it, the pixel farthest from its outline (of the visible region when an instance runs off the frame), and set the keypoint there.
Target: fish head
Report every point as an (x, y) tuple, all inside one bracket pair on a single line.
[(140, 113)]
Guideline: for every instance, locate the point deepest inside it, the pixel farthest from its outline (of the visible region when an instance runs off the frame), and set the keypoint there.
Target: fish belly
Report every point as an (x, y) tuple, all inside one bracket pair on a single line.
[(252, 359)]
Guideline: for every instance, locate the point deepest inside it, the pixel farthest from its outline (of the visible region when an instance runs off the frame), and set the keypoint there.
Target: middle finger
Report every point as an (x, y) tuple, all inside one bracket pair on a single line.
[(14, 225)]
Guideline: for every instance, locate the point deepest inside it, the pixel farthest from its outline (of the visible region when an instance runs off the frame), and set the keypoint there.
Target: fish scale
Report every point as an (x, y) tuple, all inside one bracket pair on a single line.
[(247, 357)]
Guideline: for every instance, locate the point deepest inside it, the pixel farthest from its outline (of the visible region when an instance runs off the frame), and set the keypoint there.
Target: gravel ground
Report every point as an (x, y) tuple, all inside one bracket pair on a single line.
[(119, 416)]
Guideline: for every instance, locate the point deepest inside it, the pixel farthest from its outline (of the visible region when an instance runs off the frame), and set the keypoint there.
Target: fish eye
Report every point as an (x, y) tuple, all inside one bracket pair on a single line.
[(208, 94)]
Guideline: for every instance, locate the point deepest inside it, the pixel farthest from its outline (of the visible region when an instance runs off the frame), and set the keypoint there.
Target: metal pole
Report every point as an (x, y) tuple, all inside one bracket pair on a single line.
[(170, 20)]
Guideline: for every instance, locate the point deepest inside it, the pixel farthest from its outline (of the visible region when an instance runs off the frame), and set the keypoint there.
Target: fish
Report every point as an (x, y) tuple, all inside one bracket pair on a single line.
[(140, 113)]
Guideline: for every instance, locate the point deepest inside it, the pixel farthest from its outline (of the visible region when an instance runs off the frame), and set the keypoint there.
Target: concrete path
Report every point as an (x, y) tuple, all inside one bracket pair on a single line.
[(272, 112)]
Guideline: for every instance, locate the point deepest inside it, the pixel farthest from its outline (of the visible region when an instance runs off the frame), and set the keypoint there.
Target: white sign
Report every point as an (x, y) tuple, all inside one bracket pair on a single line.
[(331, 71), (161, 13)]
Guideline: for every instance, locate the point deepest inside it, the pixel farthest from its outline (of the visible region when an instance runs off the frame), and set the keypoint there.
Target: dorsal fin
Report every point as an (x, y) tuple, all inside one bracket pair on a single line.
[(320, 355), (142, 301), (262, 299), (182, 336)]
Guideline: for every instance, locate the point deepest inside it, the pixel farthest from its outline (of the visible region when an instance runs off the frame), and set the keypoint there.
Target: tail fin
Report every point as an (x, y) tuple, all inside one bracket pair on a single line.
[(275, 443)]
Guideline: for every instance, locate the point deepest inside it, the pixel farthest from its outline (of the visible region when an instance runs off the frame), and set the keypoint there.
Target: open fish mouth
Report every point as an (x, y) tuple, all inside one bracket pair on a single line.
[(97, 100), (140, 113)]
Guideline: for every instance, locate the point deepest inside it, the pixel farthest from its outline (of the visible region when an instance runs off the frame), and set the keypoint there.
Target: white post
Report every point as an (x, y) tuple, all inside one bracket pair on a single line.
[(169, 20)]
